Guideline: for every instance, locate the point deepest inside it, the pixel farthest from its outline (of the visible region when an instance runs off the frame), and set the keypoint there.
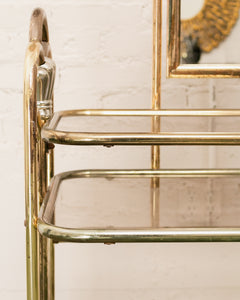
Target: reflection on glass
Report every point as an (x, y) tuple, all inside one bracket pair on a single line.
[(209, 31), (143, 124), (121, 203)]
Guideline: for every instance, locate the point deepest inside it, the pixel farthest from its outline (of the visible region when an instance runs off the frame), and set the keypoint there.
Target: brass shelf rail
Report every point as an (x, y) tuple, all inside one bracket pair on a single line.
[(49, 226), (42, 127), (50, 132)]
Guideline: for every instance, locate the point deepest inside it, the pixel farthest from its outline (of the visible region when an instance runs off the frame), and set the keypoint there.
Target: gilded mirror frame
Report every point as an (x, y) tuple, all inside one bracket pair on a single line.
[(177, 70)]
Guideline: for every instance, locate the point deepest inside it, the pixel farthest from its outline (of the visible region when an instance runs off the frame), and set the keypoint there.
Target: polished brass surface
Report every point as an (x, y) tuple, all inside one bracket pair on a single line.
[(205, 71), (33, 57), (141, 236), (50, 132), (38, 31), (177, 70), (41, 130), (47, 226), (45, 168), (156, 103), (142, 112), (45, 83), (39, 257)]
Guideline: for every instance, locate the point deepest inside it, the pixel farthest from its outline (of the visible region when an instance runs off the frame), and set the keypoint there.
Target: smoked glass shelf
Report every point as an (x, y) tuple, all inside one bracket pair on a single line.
[(111, 206), (133, 127), (120, 206)]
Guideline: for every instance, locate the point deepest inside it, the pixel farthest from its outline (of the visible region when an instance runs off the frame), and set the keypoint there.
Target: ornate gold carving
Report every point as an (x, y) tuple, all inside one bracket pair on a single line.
[(212, 24)]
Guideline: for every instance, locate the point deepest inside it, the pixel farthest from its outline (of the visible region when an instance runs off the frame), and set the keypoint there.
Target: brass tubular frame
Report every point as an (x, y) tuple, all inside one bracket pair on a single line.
[(156, 104), (177, 70), (45, 173), (40, 129), (61, 234), (143, 139), (38, 166), (142, 113), (33, 56), (52, 135)]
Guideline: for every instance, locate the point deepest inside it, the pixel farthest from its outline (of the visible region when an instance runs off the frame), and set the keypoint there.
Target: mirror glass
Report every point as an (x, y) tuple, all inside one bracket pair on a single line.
[(190, 9), (210, 32)]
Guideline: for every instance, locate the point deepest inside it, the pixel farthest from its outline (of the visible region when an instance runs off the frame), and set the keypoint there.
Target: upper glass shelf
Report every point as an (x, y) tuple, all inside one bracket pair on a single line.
[(142, 206), (134, 127)]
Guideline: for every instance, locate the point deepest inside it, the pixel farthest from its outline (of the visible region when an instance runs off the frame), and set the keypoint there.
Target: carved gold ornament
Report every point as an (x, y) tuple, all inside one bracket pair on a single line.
[(210, 26)]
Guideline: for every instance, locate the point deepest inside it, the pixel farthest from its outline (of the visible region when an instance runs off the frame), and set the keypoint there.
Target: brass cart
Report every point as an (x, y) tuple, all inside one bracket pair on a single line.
[(48, 220)]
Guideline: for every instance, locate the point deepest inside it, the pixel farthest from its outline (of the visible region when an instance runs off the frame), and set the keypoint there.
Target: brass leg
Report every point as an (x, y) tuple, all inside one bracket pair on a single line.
[(46, 269), (46, 246), (30, 144), (50, 244), (32, 263), (38, 106)]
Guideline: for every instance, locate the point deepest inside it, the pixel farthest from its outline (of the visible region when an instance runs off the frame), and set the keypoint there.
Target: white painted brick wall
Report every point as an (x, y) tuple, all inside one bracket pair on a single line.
[(103, 53)]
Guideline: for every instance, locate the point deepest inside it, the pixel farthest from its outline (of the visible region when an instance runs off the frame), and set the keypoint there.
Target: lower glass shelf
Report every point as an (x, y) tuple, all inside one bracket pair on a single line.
[(109, 206)]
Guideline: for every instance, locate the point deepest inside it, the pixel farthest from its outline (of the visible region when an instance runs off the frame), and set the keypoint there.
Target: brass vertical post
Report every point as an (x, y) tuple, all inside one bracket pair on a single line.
[(46, 259), (38, 165), (33, 54), (156, 104), (45, 173)]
